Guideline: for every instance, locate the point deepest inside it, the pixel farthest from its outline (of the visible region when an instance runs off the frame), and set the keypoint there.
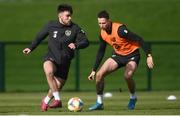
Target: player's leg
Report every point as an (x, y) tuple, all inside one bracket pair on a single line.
[(50, 95), (109, 66), (60, 79), (60, 83), (49, 69), (129, 71)]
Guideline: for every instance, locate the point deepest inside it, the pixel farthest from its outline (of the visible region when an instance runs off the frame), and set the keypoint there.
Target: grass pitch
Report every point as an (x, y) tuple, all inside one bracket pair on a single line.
[(149, 103)]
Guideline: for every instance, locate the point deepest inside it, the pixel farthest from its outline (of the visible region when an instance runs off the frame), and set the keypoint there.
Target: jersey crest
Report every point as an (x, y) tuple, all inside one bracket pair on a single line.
[(68, 32)]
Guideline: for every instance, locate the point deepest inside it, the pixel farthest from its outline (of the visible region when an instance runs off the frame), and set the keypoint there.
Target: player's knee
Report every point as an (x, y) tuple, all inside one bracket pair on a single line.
[(127, 76), (98, 76), (50, 74)]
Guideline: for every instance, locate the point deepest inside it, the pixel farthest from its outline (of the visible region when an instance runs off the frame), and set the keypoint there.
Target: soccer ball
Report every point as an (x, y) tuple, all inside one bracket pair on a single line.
[(75, 104)]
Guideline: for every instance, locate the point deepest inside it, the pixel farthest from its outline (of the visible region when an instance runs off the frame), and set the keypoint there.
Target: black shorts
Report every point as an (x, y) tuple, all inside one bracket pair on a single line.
[(123, 60), (62, 69)]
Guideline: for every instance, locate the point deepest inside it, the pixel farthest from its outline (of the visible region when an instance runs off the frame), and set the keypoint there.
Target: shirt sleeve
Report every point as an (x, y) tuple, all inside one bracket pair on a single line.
[(81, 41), (100, 53), (39, 37), (125, 33)]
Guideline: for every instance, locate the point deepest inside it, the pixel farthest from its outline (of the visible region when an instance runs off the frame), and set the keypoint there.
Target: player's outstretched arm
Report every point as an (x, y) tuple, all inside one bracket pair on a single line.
[(150, 61), (92, 75), (26, 51)]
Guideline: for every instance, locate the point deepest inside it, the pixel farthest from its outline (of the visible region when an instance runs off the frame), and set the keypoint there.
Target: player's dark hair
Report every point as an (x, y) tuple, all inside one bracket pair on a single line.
[(64, 7), (103, 14)]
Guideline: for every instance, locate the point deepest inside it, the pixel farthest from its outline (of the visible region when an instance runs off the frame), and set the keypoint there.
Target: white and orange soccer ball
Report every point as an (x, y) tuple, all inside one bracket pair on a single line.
[(75, 104)]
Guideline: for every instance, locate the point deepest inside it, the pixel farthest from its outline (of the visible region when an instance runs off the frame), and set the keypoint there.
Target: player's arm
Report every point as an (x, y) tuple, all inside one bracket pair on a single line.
[(99, 57), (125, 33), (81, 40), (100, 54), (39, 37)]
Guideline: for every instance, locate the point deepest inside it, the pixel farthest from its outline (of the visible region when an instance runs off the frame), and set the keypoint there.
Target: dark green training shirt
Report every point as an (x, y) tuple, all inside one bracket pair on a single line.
[(59, 37)]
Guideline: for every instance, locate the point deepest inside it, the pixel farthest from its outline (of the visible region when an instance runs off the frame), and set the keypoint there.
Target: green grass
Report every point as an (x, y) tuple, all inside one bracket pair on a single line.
[(149, 103)]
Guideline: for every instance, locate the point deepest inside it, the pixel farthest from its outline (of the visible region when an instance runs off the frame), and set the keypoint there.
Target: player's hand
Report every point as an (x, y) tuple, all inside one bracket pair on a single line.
[(92, 75), (150, 62), (72, 46), (26, 51)]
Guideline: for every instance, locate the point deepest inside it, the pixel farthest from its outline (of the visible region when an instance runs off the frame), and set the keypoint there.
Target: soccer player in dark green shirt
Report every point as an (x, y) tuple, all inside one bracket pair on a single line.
[(64, 37)]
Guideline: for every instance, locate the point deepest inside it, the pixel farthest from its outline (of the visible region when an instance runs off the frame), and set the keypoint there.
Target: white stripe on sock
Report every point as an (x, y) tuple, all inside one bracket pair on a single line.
[(132, 96), (100, 99), (47, 99), (56, 95)]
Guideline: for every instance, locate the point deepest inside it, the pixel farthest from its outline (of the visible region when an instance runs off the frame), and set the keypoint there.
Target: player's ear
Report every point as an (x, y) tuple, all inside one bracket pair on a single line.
[(59, 15)]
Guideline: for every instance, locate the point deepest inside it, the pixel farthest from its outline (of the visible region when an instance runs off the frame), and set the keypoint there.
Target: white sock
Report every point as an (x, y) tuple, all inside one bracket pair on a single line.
[(132, 96), (56, 95), (47, 99), (100, 99)]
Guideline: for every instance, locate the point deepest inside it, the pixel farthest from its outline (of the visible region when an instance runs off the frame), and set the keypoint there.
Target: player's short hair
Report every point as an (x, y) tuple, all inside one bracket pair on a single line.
[(64, 7), (103, 14)]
